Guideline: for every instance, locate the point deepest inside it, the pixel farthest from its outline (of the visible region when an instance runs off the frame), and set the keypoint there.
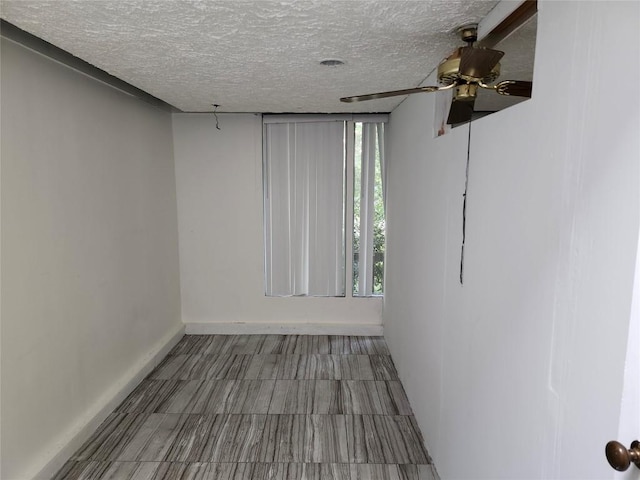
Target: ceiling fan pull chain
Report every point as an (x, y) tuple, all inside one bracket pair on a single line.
[(464, 208)]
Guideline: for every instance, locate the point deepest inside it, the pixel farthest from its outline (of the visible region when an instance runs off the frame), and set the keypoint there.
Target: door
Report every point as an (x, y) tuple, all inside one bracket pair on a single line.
[(629, 429)]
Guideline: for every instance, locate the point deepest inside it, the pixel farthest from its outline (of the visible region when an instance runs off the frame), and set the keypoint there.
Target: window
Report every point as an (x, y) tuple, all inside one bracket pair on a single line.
[(311, 167)]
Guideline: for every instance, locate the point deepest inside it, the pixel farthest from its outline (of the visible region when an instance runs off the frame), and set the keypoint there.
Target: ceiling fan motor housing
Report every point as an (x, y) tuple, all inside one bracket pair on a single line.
[(449, 70), (466, 92)]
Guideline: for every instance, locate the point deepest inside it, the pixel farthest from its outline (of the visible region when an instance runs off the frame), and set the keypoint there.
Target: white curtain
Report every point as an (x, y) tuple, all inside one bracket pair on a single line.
[(304, 208)]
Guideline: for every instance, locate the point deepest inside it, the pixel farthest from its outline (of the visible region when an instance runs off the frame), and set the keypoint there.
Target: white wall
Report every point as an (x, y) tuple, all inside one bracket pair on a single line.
[(220, 209), (90, 280), (519, 373)]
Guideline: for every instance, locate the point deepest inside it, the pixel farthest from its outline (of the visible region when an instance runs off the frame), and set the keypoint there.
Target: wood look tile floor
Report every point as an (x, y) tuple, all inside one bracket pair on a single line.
[(261, 407)]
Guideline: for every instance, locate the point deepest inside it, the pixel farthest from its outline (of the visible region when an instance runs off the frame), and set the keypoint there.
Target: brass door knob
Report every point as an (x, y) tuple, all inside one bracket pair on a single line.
[(620, 458)]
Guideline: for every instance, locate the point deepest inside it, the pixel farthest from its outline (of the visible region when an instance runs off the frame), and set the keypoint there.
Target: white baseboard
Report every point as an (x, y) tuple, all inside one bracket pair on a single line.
[(240, 328), (73, 439)]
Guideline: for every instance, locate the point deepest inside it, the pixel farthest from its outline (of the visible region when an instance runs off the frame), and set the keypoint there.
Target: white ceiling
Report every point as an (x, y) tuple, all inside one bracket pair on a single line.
[(255, 56)]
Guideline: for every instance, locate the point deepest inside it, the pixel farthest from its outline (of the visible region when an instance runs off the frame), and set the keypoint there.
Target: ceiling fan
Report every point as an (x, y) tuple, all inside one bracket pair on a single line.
[(465, 70)]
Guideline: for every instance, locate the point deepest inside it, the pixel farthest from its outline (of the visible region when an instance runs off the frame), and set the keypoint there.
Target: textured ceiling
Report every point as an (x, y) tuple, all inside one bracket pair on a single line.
[(255, 56)]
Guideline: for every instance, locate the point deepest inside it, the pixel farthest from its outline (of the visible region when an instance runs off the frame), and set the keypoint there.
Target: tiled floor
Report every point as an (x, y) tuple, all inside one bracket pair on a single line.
[(258, 407)]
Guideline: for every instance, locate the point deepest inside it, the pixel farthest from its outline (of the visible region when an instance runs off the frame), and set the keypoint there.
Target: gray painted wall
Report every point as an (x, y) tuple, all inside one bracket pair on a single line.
[(90, 279)]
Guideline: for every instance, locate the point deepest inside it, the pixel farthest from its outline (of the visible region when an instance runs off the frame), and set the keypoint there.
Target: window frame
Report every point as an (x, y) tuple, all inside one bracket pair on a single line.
[(349, 144)]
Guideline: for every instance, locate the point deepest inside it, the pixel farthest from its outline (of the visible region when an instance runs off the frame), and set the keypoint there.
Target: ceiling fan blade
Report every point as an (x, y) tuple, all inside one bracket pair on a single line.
[(460, 111), (516, 88), (394, 93), (476, 62)]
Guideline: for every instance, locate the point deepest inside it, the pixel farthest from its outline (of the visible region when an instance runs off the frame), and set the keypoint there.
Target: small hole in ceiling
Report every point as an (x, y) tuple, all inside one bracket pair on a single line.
[(331, 62)]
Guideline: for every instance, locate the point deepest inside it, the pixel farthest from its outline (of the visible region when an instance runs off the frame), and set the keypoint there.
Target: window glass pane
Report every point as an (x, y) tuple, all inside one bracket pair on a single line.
[(357, 191), (369, 217), (378, 219)]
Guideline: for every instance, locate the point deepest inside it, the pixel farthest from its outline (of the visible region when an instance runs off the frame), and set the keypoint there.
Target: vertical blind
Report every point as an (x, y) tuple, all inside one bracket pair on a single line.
[(304, 188)]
